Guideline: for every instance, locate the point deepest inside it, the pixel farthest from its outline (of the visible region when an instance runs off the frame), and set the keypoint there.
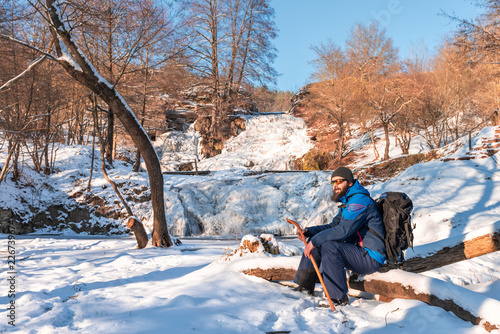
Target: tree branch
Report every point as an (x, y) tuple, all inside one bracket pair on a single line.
[(18, 41), (34, 63)]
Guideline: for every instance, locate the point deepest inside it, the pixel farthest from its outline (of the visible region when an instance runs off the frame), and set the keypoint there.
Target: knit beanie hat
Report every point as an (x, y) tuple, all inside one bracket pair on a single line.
[(343, 173)]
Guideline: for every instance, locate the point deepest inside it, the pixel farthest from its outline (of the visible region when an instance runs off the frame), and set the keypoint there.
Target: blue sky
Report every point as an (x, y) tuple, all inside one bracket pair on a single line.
[(305, 23)]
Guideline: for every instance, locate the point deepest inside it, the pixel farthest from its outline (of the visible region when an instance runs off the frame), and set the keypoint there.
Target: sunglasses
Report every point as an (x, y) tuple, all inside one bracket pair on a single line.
[(338, 181)]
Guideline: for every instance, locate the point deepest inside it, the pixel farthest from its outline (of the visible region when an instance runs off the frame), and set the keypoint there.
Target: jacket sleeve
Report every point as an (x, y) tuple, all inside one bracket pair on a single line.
[(351, 218), (313, 230)]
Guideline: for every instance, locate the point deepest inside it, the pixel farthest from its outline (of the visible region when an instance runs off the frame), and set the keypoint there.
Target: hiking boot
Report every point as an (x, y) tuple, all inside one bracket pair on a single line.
[(341, 302), (306, 279)]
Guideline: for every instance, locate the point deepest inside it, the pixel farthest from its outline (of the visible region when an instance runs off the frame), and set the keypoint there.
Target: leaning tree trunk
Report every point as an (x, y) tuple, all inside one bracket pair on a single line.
[(103, 161), (78, 66)]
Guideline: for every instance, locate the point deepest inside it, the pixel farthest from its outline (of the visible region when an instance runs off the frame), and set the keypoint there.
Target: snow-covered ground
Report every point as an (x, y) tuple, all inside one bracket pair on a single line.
[(79, 284), (362, 145), (105, 285)]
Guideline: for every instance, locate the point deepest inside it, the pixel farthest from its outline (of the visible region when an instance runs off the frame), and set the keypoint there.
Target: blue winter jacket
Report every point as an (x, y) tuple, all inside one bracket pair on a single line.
[(358, 213)]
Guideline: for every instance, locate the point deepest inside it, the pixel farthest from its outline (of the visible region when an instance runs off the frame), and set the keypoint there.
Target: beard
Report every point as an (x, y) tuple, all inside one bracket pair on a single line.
[(336, 195)]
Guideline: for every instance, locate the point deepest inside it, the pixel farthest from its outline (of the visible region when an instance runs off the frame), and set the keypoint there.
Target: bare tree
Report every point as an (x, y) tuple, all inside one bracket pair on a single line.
[(141, 80), (29, 116), (376, 61), (335, 95), (229, 45), (413, 83), (252, 52), (371, 51), (114, 32), (479, 42), (449, 100), (205, 44), (70, 56)]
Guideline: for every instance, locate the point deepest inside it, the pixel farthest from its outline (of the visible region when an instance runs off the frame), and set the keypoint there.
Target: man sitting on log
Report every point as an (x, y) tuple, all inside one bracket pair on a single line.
[(345, 242)]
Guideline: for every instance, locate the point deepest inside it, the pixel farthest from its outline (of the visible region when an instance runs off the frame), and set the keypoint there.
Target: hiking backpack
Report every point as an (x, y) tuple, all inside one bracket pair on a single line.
[(395, 209)]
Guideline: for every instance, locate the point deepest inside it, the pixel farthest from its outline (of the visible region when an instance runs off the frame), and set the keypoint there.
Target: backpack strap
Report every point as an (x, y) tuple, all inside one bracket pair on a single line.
[(376, 234), (368, 228), (344, 205)]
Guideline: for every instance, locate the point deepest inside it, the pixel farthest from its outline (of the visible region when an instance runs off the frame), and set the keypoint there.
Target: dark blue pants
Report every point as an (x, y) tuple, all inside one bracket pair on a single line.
[(334, 257)]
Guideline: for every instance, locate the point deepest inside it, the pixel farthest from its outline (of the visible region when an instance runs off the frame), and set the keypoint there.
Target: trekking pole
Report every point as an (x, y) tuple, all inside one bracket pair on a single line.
[(303, 238)]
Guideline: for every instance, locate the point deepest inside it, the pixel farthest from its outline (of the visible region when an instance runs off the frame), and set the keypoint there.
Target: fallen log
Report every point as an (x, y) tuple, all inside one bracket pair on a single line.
[(465, 250), (273, 274), (465, 304)]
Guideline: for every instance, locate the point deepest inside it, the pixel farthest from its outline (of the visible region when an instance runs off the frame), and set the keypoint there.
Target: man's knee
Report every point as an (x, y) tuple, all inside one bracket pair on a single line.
[(330, 247)]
